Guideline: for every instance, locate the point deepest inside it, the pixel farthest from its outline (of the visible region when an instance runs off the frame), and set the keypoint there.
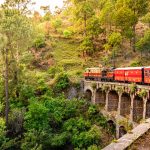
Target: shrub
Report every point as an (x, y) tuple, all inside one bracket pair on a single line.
[(142, 93), (2, 131), (34, 139), (67, 33), (136, 63), (57, 23), (94, 85), (37, 116), (87, 138), (62, 82), (87, 45), (133, 88), (39, 42)]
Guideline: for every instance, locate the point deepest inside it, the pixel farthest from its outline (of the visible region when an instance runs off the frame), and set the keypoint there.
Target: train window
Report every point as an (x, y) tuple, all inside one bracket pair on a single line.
[(146, 73), (149, 73)]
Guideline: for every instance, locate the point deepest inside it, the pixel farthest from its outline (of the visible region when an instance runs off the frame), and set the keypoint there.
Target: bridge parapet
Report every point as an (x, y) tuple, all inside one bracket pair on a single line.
[(128, 139)]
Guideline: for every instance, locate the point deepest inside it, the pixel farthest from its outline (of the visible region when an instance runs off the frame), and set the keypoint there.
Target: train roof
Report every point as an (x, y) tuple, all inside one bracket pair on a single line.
[(147, 67), (129, 68)]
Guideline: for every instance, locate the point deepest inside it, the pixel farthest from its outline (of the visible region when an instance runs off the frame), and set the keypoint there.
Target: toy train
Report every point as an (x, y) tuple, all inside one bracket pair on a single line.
[(139, 75)]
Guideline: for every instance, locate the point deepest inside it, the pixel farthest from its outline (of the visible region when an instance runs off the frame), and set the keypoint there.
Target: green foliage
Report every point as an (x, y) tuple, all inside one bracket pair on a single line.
[(82, 8), (94, 85), (93, 147), (106, 16), (62, 82), (144, 43), (125, 18), (133, 88), (106, 60), (85, 139), (4, 40), (92, 110), (88, 134), (143, 93), (105, 88), (119, 89), (146, 18), (55, 70), (47, 16), (115, 39), (136, 63), (16, 120), (67, 33), (1, 107), (37, 116), (2, 132), (60, 139), (94, 26), (34, 139), (140, 7), (39, 42), (55, 122), (87, 45), (57, 23)]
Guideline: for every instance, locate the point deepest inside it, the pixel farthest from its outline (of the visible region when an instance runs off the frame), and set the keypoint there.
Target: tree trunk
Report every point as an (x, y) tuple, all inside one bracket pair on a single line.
[(134, 38), (16, 72), (85, 24), (6, 88)]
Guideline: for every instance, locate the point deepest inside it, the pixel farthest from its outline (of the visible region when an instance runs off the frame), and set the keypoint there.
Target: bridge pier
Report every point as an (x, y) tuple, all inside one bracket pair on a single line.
[(144, 108), (93, 99), (132, 105), (148, 109), (117, 131), (106, 105), (119, 104)]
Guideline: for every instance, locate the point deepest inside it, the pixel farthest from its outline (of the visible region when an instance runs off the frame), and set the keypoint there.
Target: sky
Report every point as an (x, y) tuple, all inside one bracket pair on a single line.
[(51, 3)]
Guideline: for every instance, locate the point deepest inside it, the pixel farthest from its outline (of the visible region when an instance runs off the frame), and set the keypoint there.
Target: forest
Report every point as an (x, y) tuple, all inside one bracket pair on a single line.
[(42, 60)]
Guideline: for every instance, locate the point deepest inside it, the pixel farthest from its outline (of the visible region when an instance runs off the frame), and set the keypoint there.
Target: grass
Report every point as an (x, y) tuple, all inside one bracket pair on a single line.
[(66, 55)]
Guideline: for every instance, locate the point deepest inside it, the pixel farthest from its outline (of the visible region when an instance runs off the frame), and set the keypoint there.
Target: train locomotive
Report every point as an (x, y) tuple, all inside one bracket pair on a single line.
[(139, 75)]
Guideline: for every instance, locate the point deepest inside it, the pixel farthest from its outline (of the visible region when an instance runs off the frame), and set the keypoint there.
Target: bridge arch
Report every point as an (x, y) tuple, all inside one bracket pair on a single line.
[(111, 126), (100, 97), (138, 108), (122, 131), (113, 99), (88, 95), (125, 104), (148, 109)]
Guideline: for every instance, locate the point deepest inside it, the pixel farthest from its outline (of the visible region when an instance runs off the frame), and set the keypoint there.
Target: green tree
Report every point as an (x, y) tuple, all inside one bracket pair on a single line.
[(125, 19), (146, 19), (143, 45), (113, 44), (139, 8), (107, 14), (16, 27)]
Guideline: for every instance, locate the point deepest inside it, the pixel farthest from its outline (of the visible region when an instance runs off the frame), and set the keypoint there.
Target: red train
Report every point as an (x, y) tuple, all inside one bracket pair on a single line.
[(139, 75)]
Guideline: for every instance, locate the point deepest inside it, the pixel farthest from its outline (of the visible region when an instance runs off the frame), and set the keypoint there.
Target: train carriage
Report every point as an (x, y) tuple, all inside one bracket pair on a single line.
[(119, 74), (92, 73), (129, 74), (147, 75)]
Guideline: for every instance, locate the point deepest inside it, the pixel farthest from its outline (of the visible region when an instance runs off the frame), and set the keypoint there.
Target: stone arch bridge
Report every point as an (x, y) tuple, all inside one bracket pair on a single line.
[(125, 105)]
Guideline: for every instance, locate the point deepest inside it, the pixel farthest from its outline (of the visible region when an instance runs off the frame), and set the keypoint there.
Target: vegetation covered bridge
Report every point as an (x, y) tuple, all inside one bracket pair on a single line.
[(125, 105)]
